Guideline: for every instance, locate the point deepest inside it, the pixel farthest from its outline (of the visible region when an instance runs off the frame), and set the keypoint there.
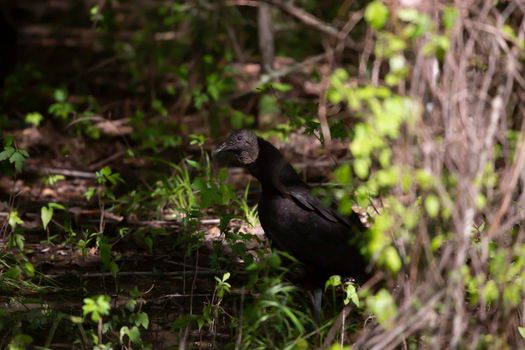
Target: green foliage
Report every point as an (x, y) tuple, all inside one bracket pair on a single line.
[(349, 288), (222, 286), (96, 307), (14, 219), (108, 179), (383, 306), (20, 342), (61, 109), (34, 118), (13, 154), (133, 334), (46, 213), (376, 14), (250, 214), (51, 180), (106, 255), (173, 68)]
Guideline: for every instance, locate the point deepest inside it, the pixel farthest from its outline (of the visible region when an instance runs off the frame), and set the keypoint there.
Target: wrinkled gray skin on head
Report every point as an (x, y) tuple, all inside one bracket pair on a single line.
[(242, 144)]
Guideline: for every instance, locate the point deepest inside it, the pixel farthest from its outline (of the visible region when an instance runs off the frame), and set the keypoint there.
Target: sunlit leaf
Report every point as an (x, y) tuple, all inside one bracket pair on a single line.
[(376, 14), (432, 205), (46, 214)]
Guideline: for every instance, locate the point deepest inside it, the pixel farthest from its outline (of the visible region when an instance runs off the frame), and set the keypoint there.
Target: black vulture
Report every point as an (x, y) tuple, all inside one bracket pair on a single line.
[(295, 221)]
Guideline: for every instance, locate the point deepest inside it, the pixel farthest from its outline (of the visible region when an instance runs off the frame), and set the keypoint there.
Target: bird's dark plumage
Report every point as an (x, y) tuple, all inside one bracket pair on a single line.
[(294, 220)]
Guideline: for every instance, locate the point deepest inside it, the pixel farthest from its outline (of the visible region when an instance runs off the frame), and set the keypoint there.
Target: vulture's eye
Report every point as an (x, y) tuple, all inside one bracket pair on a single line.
[(239, 138)]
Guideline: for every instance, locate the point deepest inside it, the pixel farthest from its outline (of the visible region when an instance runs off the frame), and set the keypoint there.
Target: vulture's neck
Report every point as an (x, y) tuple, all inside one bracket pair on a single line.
[(271, 169)]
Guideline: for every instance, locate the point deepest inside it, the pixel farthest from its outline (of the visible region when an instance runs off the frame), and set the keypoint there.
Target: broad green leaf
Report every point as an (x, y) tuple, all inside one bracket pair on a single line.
[(46, 214)]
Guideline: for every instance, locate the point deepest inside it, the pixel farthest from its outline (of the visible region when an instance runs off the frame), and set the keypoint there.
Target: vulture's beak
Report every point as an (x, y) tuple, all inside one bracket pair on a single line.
[(223, 147)]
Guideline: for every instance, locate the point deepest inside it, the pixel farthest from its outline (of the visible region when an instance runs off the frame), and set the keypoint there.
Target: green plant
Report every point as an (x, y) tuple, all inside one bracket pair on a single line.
[(96, 308), (61, 108), (34, 118), (249, 214), (46, 213), (13, 154)]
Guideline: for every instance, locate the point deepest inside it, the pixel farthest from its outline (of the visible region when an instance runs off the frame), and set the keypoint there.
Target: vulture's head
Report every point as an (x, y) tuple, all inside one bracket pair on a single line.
[(242, 145)]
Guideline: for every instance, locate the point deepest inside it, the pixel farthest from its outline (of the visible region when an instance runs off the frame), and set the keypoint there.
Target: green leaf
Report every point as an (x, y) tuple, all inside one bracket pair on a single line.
[(384, 307), (34, 118), (391, 259), (333, 281), (226, 276), (409, 15), (133, 334), (46, 214), (105, 253), (123, 332), (345, 206), (18, 159), (397, 63), (142, 320), (351, 294), (281, 87), (6, 153), (90, 192), (437, 242), (56, 206), (376, 14), (52, 180), (19, 241), (338, 346), (362, 167), (450, 15), (60, 95), (512, 295), (343, 174), (14, 219), (521, 331), (29, 269), (424, 178), (432, 205), (20, 341), (193, 163), (113, 268), (490, 291), (96, 307)]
